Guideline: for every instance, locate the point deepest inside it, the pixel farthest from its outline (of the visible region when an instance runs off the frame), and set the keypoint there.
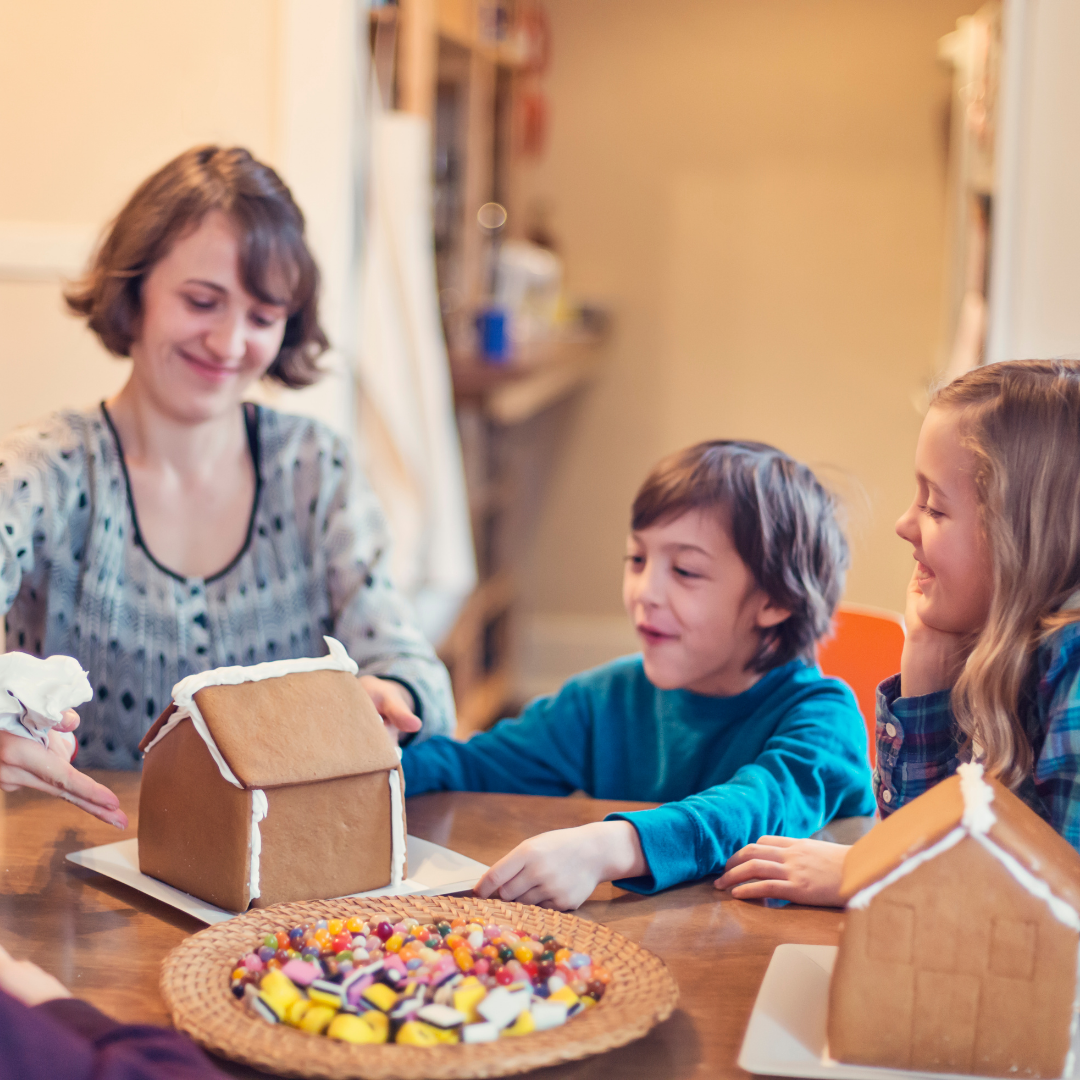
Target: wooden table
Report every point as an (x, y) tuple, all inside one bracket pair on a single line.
[(106, 941)]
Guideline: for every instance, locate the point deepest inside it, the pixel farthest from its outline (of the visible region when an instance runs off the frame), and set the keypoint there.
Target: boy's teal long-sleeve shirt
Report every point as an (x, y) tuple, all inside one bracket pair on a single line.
[(784, 757)]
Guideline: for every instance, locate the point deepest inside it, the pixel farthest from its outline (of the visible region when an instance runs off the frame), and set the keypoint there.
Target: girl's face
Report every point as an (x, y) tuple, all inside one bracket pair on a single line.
[(203, 339), (695, 605), (953, 571)]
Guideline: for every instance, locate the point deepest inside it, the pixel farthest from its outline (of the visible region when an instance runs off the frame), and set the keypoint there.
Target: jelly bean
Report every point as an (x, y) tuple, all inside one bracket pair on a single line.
[(340, 943), (355, 925), (555, 983), (482, 966), (266, 953), (282, 955), (596, 989), (434, 942), (273, 964), (443, 928), (270, 941), (506, 954), (545, 971), (532, 968), (335, 926), (322, 936), (373, 941), (253, 962), (547, 939), (562, 955), (601, 974), (547, 957), (463, 958), (384, 931), (454, 941), (504, 977), (393, 943), (523, 954), (455, 923), (414, 963)]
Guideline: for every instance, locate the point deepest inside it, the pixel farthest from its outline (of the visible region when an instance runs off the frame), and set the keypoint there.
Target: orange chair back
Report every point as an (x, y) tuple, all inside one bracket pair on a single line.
[(865, 649)]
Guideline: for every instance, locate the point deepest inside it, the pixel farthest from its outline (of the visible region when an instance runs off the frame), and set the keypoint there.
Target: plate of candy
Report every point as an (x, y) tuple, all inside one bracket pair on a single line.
[(398, 988)]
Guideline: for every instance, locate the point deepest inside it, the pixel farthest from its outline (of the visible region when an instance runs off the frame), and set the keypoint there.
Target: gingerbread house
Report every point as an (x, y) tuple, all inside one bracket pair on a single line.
[(959, 946), (272, 783)]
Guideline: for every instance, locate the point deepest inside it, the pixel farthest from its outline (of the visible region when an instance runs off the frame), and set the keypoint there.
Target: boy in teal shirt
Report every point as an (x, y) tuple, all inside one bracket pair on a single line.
[(735, 563)]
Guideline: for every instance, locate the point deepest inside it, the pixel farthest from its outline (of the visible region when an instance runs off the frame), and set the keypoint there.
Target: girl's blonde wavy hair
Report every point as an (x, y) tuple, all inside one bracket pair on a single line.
[(1021, 420)]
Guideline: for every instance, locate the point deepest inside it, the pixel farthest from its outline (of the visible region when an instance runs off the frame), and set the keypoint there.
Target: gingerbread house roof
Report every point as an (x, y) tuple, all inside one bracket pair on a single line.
[(266, 730), (967, 805)]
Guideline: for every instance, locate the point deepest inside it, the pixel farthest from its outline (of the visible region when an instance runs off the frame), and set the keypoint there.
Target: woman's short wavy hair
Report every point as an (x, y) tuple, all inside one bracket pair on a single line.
[(783, 523), (173, 202)]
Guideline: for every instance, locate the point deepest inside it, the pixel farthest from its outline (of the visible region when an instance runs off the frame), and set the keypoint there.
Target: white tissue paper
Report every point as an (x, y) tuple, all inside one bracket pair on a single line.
[(34, 693)]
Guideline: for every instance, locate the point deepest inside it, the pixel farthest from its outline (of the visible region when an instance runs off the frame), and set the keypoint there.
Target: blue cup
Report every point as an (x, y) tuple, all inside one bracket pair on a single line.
[(491, 327)]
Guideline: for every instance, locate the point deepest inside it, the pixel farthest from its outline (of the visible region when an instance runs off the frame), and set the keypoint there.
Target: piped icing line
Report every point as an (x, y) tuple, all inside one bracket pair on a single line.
[(977, 821), (397, 827), (259, 809), (977, 794), (183, 693), (862, 898)]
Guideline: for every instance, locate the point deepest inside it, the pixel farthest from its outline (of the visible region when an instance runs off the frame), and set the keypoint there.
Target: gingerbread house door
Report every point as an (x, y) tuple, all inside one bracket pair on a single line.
[(944, 1021)]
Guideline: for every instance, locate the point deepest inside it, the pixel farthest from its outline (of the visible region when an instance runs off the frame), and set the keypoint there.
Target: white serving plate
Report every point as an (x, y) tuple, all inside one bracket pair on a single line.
[(786, 1033), (436, 871)]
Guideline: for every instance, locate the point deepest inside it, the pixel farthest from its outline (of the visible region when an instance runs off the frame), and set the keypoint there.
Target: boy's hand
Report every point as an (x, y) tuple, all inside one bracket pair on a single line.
[(802, 871), (27, 981), (395, 705), (932, 658), (560, 869)]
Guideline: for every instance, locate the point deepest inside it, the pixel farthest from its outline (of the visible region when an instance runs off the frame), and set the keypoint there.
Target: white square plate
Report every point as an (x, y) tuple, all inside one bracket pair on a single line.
[(436, 871), (786, 1033)]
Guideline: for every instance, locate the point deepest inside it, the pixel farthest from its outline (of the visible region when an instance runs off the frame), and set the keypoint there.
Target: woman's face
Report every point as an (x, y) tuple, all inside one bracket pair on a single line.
[(943, 525), (203, 339)]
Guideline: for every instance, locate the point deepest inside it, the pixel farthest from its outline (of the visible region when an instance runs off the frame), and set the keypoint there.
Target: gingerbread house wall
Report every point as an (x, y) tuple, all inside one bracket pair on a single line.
[(955, 968), (325, 839), (194, 826)]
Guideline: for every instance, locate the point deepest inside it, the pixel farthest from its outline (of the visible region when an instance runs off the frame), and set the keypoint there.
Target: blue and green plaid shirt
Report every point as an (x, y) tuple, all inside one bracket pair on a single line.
[(917, 739)]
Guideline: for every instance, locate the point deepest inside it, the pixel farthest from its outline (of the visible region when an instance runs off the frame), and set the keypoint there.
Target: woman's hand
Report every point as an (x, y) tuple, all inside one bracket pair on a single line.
[(26, 763), (395, 705), (802, 871), (560, 869), (932, 658), (27, 981)]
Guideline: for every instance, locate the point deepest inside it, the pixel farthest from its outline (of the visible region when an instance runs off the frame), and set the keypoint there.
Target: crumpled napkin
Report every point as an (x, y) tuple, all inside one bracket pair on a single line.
[(34, 693)]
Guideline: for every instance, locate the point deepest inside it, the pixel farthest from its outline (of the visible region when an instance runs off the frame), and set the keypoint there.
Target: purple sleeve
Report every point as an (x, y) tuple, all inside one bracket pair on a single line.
[(68, 1039), (916, 745)]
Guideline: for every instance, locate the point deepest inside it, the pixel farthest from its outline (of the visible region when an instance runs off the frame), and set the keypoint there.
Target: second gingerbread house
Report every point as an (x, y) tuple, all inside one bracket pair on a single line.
[(959, 947), (272, 783)]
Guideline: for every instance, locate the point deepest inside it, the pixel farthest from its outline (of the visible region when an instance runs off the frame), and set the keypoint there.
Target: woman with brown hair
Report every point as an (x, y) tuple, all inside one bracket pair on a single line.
[(176, 528)]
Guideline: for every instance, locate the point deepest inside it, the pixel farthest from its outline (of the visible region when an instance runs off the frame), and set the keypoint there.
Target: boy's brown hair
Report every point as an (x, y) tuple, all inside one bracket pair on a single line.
[(783, 524), (170, 204)]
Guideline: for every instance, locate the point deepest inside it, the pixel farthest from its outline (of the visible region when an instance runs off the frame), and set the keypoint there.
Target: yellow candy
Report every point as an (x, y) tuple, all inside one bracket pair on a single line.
[(354, 925), (358, 1029), (523, 954), (464, 958), (523, 1025), (295, 1012), (317, 1019), (238, 973), (394, 943), (379, 1023), (381, 996), (275, 984), (467, 996), (335, 926), (321, 997), (588, 1000), (417, 1033), (566, 996), (562, 956), (450, 1036)]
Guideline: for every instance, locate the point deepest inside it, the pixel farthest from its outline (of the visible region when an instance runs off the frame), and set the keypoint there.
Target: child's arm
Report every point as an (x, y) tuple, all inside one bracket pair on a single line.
[(546, 751), (813, 768)]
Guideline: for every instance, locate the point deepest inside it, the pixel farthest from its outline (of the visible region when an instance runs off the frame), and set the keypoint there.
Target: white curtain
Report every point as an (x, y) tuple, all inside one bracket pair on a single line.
[(407, 437)]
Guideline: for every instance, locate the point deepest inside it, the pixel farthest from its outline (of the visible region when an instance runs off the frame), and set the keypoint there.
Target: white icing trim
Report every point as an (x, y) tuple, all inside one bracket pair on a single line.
[(1074, 1026), (397, 829), (185, 690), (977, 795), (259, 809), (1038, 888), (862, 899)]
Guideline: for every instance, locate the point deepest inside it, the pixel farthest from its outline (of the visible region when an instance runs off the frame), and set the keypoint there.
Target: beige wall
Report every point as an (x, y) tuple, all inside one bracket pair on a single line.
[(757, 190), (96, 95)]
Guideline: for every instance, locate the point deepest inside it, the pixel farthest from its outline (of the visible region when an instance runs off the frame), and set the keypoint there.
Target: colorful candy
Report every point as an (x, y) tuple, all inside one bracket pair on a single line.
[(421, 985)]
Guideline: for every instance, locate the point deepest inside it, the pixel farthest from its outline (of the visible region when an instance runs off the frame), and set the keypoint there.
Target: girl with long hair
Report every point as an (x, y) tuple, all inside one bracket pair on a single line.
[(991, 664)]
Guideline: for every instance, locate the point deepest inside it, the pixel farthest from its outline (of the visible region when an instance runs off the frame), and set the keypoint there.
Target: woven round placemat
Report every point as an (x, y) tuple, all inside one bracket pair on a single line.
[(195, 986)]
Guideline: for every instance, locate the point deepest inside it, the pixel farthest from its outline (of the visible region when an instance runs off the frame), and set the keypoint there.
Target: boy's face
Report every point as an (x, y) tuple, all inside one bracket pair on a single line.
[(695, 606)]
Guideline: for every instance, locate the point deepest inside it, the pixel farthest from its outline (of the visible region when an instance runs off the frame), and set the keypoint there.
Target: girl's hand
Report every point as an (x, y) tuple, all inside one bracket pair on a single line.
[(27, 981), (560, 869), (26, 763), (932, 658), (802, 871), (395, 705)]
